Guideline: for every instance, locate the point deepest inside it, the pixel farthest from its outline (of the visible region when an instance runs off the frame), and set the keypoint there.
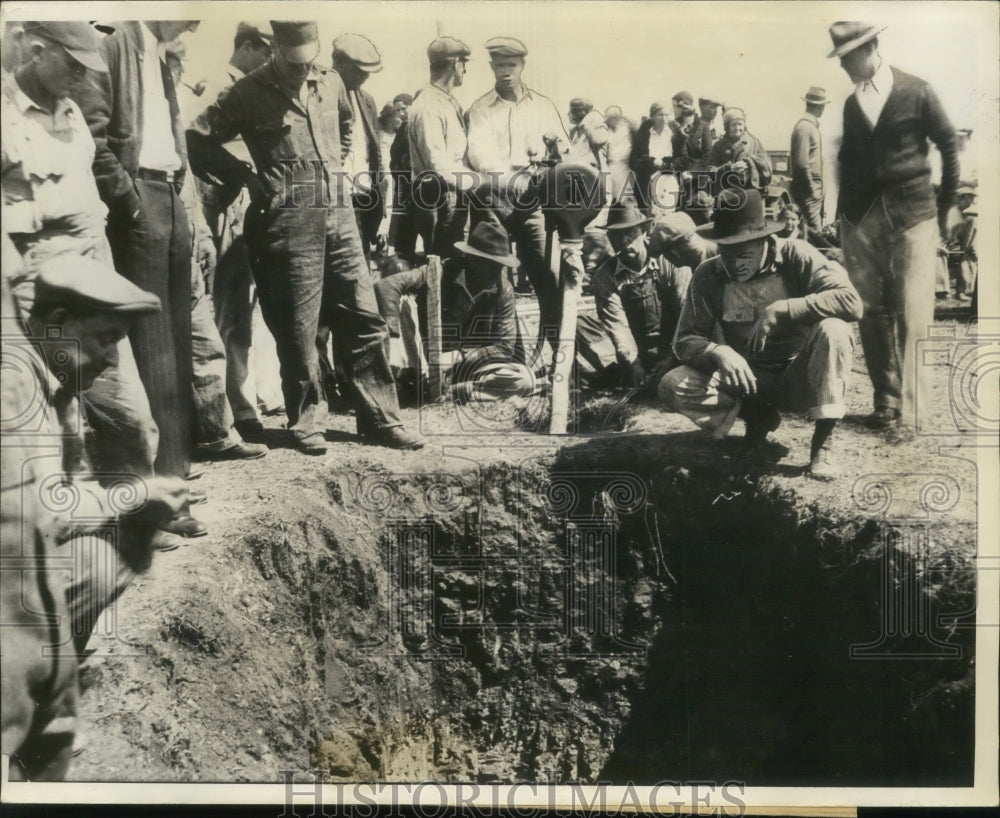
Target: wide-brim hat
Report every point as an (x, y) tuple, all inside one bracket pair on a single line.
[(624, 215), (490, 241), (816, 96), (738, 216), (848, 35)]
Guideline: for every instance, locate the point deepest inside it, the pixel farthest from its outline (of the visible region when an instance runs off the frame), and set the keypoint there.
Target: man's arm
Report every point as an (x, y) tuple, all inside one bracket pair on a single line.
[(693, 344), (939, 128), (612, 315), (389, 291), (827, 287), (799, 158), (428, 133), (672, 284), (219, 123), (96, 100)]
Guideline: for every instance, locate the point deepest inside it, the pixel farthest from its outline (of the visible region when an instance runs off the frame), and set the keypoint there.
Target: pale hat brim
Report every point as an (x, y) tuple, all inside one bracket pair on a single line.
[(850, 45), (506, 261)]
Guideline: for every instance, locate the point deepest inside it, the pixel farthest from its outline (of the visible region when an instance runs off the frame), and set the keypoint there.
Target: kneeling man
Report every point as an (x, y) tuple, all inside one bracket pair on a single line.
[(479, 325), (785, 312)]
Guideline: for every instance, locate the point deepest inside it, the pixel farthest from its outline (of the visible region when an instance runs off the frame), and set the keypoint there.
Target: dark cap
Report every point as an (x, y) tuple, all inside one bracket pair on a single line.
[(359, 50), (624, 214), (251, 31), (297, 39), (506, 47), (78, 281), (78, 39), (444, 49)]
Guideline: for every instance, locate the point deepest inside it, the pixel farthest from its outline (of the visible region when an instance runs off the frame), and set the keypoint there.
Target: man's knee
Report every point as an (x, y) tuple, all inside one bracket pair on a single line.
[(675, 386), (836, 334)]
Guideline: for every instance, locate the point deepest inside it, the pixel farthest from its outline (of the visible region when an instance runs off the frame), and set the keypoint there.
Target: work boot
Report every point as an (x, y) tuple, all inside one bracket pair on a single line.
[(761, 419), (184, 525), (250, 429), (312, 444), (394, 437), (822, 465), (882, 418)]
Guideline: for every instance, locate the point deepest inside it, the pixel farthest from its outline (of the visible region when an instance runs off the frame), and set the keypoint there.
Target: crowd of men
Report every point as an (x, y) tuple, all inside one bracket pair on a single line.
[(180, 256)]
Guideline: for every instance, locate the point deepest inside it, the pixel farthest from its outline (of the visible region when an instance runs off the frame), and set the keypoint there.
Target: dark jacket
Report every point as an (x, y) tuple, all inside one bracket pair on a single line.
[(725, 152), (484, 326), (374, 205), (699, 144), (289, 145), (891, 160), (112, 106)]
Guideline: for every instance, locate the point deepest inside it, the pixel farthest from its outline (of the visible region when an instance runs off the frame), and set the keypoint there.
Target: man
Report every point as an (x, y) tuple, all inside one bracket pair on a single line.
[(696, 196), (355, 58), (620, 132), (681, 124), (402, 228), (438, 143), (308, 261), (511, 129), (81, 311), (806, 159), (51, 206), (887, 208), (784, 312), (588, 134), (139, 166), (640, 292), (232, 288), (738, 157), (479, 323)]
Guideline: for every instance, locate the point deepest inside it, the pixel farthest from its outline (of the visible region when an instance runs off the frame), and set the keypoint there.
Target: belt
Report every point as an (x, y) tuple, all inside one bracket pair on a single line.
[(167, 176)]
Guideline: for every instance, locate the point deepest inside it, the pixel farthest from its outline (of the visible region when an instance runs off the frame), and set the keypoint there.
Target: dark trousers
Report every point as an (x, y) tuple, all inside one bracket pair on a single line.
[(312, 279), (155, 253), (404, 237), (441, 217)]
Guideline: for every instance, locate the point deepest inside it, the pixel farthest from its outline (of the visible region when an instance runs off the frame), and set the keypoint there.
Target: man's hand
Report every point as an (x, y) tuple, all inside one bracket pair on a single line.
[(259, 194), (767, 320), (734, 371), (637, 374)]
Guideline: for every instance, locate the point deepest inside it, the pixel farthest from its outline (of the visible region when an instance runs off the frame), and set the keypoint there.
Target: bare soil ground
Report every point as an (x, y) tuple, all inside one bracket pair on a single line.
[(291, 636)]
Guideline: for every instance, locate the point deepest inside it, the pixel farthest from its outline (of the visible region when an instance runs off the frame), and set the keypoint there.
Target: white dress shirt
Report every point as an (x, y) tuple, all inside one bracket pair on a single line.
[(158, 151), (505, 136), (872, 94)]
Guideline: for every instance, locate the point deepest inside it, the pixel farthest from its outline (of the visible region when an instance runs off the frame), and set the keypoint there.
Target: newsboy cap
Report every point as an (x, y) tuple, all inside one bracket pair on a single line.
[(444, 49), (90, 285), (78, 39), (359, 50), (848, 35), (297, 39), (506, 47), (669, 229)]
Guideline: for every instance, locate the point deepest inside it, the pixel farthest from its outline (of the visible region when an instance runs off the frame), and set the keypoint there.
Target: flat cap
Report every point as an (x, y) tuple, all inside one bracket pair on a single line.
[(447, 48), (359, 50), (78, 39), (78, 281), (506, 47), (709, 101), (297, 39), (251, 31)]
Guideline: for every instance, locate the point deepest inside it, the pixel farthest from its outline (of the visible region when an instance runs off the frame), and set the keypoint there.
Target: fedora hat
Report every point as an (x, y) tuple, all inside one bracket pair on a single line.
[(738, 215), (490, 241), (848, 35), (816, 96), (622, 215)]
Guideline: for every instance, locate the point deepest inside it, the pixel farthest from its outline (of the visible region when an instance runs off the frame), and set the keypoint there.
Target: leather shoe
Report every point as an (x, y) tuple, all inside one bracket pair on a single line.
[(241, 451), (823, 466), (394, 437), (165, 541), (313, 444), (184, 525), (250, 429)]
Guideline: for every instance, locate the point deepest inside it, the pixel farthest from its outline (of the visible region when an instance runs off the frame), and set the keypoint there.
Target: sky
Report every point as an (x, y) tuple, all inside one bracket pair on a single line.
[(760, 56)]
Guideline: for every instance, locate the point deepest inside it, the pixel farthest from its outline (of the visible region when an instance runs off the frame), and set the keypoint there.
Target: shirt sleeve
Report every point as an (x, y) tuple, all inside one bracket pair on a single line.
[(428, 132), (219, 123), (483, 153), (693, 340), (672, 284), (799, 158), (828, 290)]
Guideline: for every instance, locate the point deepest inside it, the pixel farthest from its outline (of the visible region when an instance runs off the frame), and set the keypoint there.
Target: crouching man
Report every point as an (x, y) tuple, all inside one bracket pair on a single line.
[(479, 325), (69, 545), (785, 313)]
